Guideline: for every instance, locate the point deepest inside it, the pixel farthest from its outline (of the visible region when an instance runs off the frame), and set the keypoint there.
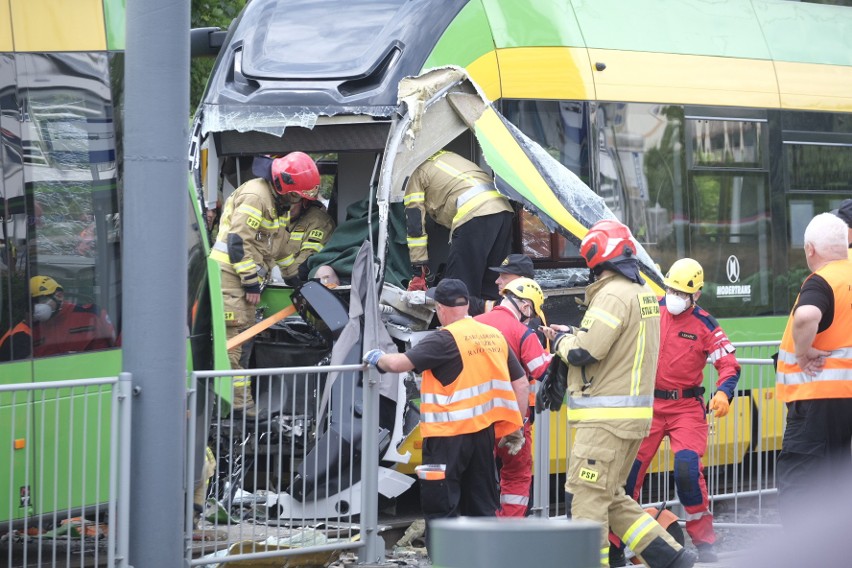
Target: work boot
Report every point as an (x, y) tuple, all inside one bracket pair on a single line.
[(707, 553), (684, 559)]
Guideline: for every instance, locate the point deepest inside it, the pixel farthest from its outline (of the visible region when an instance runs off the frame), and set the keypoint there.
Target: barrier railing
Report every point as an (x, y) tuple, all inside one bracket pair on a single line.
[(66, 444), (740, 458), (290, 479)]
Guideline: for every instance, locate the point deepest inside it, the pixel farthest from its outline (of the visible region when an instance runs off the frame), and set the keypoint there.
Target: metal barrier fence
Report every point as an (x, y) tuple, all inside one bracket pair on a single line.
[(66, 444), (291, 479), (740, 458)]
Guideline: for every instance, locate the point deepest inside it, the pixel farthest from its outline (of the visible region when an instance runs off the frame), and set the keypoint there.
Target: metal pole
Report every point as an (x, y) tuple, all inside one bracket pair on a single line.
[(373, 550), (541, 482), (126, 412), (154, 217)]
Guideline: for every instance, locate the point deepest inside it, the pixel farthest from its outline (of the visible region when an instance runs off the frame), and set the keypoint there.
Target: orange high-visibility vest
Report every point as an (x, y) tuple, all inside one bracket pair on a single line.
[(835, 380), (481, 395)]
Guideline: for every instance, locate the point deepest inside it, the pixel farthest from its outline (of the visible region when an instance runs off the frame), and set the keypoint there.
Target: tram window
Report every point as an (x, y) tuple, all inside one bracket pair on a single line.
[(819, 167), (640, 162), (730, 236), (73, 186), (728, 143), (561, 128), (15, 215)]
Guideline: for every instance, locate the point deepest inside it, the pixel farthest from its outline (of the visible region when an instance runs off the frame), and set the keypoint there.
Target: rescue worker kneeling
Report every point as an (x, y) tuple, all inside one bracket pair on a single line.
[(611, 361)]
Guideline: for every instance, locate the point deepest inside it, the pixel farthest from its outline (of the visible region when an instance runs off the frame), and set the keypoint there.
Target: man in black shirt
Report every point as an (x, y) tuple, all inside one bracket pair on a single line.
[(472, 389)]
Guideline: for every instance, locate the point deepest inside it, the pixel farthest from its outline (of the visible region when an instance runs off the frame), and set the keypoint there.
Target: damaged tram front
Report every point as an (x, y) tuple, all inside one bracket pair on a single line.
[(363, 107)]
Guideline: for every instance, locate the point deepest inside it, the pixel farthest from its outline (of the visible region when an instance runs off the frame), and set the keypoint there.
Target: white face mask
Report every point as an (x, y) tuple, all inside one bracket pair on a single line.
[(42, 312), (675, 304)]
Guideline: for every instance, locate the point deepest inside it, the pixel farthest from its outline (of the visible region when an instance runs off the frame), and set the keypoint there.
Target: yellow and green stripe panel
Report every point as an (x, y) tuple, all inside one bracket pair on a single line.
[(61, 25), (519, 178), (757, 53)]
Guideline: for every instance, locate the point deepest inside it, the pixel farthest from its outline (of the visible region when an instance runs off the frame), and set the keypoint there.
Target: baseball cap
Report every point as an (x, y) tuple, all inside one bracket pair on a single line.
[(845, 211), (449, 292), (519, 264)]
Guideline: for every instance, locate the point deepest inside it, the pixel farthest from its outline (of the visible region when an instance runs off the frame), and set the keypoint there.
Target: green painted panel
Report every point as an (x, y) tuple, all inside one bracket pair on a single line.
[(114, 22), (534, 23), (741, 330), (806, 33), (465, 40), (106, 363), (726, 28)]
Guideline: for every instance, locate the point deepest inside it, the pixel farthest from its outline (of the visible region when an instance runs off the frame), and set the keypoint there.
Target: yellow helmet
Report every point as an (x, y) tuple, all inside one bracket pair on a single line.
[(528, 289), (43, 286), (685, 275)]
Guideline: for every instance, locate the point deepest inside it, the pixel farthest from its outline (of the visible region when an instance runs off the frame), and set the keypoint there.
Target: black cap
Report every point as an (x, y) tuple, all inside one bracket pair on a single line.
[(519, 264), (845, 212), (449, 292)]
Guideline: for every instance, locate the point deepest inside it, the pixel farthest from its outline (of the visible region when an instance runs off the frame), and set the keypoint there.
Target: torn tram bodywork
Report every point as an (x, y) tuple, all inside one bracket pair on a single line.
[(361, 104)]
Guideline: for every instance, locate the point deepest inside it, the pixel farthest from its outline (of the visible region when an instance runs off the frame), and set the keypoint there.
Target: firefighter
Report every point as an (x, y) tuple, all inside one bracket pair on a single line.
[(814, 375), (458, 195), (522, 300), (513, 266), (62, 326), (308, 229), (471, 392), (253, 227), (689, 337), (611, 360)]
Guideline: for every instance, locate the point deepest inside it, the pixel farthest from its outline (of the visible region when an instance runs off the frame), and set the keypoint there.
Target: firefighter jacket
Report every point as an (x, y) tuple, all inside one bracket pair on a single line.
[(687, 341), (73, 328), (307, 235), (612, 358), (250, 229), (835, 379), (451, 190), (481, 395), (522, 340)]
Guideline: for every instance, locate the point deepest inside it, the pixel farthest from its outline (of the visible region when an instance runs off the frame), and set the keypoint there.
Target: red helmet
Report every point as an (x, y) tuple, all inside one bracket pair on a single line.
[(607, 240), (296, 173)]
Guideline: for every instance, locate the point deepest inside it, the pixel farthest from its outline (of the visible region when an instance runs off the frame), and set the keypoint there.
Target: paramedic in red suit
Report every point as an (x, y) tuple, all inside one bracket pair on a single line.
[(522, 300), (61, 326), (689, 336)]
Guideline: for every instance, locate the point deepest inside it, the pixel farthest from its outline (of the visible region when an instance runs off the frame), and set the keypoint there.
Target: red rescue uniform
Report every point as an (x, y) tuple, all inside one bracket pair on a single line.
[(516, 471), (687, 341), (72, 329)]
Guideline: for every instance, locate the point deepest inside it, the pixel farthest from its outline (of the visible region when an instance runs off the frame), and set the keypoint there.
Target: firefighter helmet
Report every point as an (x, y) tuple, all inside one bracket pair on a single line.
[(607, 240), (526, 289), (685, 275), (43, 286), (296, 173)]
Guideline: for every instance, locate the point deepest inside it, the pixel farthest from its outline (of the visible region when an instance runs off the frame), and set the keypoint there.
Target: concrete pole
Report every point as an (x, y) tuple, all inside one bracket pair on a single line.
[(154, 274)]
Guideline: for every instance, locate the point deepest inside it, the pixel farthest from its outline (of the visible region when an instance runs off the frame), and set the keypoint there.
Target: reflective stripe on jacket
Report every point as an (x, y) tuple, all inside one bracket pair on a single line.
[(307, 235), (451, 190), (835, 379), (249, 214), (621, 333), (481, 395)]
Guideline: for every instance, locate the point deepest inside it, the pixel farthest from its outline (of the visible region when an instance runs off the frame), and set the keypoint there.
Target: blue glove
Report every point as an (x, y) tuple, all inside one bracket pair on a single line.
[(372, 356)]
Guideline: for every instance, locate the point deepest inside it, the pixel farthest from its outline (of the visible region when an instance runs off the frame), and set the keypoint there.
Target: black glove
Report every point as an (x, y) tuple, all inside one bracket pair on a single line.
[(552, 387)]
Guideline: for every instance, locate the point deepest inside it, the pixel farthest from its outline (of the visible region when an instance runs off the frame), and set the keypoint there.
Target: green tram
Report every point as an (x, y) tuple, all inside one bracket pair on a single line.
[(715, 130), (61, 132)]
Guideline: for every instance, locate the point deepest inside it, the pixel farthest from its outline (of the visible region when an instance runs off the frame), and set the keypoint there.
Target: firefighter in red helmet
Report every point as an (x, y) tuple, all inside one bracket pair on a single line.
[(611, 360), (309, 225), (255, 231)]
